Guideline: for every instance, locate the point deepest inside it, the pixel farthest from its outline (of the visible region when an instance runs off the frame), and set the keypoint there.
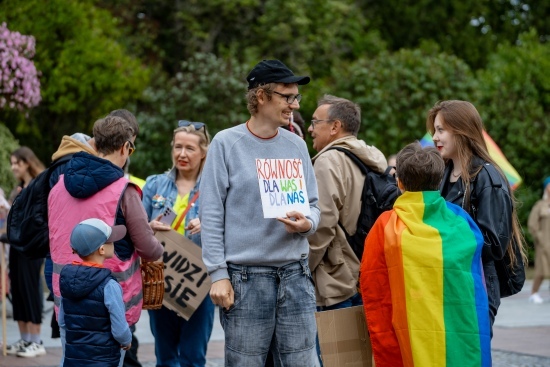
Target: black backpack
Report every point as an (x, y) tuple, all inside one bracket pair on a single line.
[(379, 193), (27, 224), (511, 276)]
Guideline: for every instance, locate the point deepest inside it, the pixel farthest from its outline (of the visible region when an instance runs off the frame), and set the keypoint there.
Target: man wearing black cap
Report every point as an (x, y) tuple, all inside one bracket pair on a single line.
[(258, 260)]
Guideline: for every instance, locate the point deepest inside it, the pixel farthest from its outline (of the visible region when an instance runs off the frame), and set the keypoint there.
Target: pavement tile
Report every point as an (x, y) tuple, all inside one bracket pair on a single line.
[(521, 337)]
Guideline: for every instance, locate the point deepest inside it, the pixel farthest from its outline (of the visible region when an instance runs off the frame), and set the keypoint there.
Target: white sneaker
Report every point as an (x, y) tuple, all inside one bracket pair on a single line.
[(16, 347), (32, 350), (536, 299)]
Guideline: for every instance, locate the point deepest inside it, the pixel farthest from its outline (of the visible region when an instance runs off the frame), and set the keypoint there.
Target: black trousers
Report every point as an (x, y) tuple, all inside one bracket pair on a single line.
[(131, 358)]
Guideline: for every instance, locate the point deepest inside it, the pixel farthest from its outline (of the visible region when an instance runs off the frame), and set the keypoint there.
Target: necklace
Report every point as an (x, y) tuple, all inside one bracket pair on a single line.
[(455, 175)]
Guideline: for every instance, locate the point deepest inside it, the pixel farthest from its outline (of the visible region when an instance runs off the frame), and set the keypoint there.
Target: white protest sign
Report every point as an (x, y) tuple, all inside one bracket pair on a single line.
[(282, 187), (186, 281)]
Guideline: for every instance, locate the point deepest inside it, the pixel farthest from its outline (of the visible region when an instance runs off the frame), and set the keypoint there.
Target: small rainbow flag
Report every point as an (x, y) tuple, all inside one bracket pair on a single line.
[(422, 285), (494, 151)]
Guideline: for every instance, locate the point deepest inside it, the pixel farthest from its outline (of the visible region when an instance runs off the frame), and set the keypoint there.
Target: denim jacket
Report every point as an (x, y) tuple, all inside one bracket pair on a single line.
[(161, 191)]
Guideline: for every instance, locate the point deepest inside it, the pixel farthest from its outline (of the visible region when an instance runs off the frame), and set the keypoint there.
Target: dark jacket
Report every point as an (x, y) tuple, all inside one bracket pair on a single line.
[(89, 341), (490, 205)]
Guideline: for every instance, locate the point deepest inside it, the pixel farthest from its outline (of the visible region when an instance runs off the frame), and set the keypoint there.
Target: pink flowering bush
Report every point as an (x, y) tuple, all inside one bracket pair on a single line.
[(19, 84)]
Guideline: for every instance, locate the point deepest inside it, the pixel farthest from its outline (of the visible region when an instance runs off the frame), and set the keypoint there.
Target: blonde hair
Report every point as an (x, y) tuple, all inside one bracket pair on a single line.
[(202, 133)]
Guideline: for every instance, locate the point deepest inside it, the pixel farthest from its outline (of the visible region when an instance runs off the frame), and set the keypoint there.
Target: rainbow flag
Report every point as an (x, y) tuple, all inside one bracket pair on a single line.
[(494, 151), (422, 285)]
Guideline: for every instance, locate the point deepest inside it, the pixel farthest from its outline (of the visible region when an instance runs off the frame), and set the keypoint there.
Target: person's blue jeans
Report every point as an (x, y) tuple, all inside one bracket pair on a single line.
[(355, 300), (274, 310), (181, 343)]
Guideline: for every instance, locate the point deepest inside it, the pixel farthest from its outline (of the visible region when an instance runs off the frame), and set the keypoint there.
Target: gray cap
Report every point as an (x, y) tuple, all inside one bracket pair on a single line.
[(90, 234)]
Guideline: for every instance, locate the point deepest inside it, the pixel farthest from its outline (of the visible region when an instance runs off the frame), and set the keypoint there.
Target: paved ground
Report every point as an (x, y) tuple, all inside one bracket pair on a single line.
[(521, 337)]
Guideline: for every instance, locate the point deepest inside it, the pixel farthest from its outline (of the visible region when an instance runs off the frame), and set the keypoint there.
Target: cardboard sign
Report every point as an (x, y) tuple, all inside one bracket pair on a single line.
[(186, 281), (282, 187), (344, 338)]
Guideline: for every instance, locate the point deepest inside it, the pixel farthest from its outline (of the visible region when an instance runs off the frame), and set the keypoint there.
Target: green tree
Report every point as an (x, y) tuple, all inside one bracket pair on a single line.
[(396, 90), (85, 72), (469, 29), (207, 89), (515, 106), (7, 145), (309, 35)]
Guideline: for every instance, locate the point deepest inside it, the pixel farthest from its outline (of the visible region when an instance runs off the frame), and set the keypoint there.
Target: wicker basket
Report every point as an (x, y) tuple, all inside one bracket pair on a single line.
[(152, 275)]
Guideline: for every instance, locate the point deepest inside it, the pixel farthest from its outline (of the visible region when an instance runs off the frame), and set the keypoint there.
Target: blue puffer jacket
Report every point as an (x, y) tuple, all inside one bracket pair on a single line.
[(87, 319), (161, 191)]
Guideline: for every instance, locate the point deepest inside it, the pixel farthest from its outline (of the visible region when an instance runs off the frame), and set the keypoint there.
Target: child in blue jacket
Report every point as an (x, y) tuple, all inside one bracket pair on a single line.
[(92, 309)]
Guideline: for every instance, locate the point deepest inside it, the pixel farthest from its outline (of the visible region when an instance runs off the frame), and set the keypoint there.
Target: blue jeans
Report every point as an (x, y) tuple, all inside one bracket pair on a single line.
[(274, 310), (179, 342), (355, 300)]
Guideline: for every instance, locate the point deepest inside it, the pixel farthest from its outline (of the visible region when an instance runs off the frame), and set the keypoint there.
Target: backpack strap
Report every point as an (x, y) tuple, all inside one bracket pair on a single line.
[(362, 166), (354, 158), (494, 176), (189, 205)]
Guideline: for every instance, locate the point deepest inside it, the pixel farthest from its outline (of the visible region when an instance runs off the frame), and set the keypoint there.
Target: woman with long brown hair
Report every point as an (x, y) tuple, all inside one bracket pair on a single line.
[(474, 181), (26, 283)]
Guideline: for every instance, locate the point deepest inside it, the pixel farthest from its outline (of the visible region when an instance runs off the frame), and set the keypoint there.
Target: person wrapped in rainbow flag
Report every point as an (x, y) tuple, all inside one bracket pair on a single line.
[(421, 275)]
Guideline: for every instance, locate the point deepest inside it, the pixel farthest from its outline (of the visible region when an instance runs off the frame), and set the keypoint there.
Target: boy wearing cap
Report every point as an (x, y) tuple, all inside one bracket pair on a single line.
[(259, 266), (92, 309)]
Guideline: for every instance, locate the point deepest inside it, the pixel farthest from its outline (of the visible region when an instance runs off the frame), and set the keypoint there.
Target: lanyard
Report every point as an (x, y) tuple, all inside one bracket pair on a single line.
[(189, 205)]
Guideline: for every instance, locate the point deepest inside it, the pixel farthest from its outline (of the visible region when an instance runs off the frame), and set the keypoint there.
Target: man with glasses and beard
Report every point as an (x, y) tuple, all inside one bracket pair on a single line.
[(258, 265)]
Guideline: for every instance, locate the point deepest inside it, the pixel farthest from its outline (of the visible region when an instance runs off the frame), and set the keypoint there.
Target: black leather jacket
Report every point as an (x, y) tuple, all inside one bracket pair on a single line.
[(490, 206)]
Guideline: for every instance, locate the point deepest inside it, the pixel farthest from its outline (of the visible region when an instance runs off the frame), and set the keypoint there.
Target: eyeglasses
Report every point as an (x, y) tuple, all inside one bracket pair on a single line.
[(290, 98), (131, 148), (196, 125), (315, 122)]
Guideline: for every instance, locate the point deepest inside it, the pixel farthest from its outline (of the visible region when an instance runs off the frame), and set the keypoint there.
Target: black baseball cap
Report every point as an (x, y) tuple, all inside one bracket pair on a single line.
[(273, 71)]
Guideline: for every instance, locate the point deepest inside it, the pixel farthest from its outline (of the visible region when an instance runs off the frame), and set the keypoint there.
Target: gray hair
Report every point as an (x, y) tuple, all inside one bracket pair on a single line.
[(342, 109)]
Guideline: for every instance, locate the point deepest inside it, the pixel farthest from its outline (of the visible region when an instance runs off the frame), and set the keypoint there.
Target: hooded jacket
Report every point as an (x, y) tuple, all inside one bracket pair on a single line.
[(69, 145), (334, 266), (94, 187), (87, 319)]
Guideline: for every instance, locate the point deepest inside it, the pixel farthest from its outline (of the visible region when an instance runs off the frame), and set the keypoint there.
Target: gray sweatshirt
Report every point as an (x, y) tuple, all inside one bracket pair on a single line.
[(233, 226)]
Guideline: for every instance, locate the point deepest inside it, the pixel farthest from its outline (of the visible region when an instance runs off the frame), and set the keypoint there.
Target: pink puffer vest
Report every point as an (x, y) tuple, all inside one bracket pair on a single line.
[(64, 213)]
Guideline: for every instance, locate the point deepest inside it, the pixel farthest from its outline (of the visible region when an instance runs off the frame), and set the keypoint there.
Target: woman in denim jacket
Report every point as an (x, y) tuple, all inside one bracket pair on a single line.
[(179, 342)]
